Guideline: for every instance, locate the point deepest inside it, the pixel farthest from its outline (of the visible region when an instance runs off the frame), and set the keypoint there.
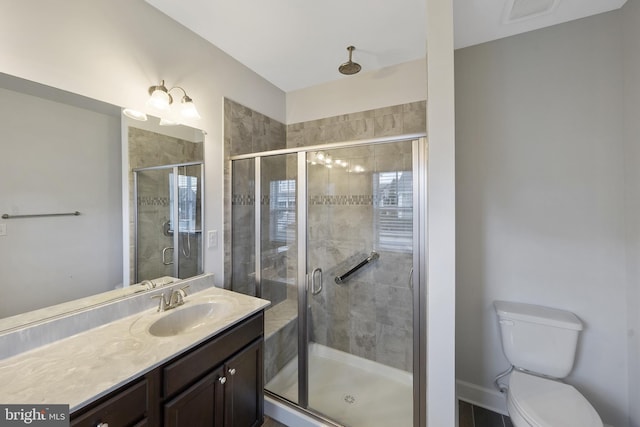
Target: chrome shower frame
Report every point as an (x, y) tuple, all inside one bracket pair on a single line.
[(418, 277)]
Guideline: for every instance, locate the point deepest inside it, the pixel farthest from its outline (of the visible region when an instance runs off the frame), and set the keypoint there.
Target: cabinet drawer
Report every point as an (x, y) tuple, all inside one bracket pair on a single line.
[(126, 408), (199, 361)]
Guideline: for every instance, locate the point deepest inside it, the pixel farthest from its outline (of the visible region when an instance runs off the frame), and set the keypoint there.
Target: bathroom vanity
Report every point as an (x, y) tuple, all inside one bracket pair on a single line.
[(218, 383), (198, 364)]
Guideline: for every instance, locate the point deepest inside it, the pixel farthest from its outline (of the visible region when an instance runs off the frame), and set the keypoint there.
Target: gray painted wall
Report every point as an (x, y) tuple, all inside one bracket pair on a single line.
[(540, 160), (631, 63), (125, 47), (58, 158)]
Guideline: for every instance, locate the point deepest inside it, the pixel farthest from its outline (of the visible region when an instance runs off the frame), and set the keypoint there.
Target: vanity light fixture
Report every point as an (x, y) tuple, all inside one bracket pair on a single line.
[(161, 99)]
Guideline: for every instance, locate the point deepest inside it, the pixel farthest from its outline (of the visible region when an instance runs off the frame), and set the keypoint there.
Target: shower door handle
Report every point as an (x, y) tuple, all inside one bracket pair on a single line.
[(314, 273), (164, 255)]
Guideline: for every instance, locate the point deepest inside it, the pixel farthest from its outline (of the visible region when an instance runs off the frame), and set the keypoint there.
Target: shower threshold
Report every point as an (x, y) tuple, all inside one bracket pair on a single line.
[(351, 390)]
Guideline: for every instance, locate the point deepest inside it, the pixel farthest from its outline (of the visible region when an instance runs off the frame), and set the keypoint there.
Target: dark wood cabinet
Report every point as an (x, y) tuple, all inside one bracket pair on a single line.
[(219, 383), (244, 373), (196, 406), (128, 406), (230, 396)]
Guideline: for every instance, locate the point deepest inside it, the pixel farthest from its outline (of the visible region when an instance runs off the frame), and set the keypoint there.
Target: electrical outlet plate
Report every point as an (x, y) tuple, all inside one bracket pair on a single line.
[(3, 229)]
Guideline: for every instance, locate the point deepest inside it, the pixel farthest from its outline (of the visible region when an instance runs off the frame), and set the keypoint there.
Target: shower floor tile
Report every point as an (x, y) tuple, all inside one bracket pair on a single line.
[(351, 390)]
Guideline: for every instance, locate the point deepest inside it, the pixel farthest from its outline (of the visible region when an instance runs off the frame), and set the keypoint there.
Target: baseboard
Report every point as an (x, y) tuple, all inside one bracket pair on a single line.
[(481, 396)]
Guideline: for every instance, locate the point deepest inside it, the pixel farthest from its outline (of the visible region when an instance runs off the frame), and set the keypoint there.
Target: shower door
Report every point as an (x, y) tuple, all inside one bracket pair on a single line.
[(168, 221), (359, 261), (328, 235), (264, 247)]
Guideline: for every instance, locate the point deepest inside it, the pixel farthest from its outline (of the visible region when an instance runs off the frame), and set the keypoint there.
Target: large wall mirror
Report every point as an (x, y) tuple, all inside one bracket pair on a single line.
[(77, 224)]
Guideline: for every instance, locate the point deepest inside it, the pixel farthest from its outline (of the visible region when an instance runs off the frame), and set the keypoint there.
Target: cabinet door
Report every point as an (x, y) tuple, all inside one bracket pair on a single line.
[(243, 392), (125, 408), (198, 406)]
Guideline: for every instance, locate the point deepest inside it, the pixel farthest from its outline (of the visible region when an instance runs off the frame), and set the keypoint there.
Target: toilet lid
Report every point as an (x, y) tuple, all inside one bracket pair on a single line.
[(548, 403)]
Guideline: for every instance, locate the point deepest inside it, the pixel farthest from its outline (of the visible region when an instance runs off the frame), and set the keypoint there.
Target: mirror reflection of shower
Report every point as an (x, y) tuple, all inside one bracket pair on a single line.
[(168, 221), (187, 207)]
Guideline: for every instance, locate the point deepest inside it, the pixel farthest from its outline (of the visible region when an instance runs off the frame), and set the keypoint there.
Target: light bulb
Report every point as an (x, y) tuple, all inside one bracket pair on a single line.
[(188, 109), (159, 100)]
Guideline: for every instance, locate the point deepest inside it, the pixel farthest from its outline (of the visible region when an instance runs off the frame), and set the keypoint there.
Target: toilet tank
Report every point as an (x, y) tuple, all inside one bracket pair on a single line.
[(538, 339)]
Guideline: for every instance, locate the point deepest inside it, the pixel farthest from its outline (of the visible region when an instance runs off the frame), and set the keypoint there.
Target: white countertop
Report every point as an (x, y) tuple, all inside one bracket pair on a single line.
[(82, 368)]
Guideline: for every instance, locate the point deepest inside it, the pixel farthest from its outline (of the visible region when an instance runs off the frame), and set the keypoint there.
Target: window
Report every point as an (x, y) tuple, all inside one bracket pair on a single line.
[(282, 206), (187, 202), (393, 210)]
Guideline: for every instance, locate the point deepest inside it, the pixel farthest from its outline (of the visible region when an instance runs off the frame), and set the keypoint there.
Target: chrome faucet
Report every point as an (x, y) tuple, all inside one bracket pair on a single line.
[(176, 299)]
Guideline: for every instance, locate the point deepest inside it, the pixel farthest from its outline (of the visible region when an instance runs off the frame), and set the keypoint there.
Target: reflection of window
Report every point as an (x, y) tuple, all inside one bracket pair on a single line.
[(393, 210), (282, 205), (187, 202)]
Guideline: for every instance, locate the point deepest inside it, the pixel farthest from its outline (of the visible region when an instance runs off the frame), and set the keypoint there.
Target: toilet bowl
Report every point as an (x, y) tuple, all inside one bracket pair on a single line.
[(533, 401), (540, 343)]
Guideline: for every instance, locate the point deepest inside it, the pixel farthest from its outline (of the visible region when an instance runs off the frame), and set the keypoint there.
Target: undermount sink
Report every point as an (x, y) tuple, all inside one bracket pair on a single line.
[(187, 318)]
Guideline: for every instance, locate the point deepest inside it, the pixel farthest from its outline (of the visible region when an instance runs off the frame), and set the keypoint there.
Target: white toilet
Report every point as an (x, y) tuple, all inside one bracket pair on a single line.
[(540, 343)]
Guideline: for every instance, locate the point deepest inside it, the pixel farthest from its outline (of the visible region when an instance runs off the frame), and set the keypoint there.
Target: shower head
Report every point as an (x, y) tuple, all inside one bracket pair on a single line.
[(350, 67)]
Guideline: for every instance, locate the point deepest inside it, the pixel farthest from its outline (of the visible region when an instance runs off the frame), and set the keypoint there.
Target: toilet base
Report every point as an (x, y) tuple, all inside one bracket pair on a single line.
[(533, 402), (516, 418)]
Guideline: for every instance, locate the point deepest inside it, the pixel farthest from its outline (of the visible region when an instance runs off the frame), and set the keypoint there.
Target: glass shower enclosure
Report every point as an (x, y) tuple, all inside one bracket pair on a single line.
[(168, 221), (331, 235)]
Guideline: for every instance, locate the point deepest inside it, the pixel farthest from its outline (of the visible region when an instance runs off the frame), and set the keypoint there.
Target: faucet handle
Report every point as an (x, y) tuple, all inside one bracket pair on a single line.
[(162, 305), (177, 297), (183, 290)]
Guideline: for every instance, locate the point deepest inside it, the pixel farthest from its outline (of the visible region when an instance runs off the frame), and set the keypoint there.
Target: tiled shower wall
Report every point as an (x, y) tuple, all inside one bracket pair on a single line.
[(148, 149), (245, 131), (276, 254), (371, 316), (389, 121)]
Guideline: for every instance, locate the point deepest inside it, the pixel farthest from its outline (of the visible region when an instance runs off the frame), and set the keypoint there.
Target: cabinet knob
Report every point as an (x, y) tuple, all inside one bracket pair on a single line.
[(222, 380), (232, 371)]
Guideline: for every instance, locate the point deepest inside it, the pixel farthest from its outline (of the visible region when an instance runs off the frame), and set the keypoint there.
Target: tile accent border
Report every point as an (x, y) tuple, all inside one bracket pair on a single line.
[(243, 200), (348, 200), (321, 200), (153, 201)]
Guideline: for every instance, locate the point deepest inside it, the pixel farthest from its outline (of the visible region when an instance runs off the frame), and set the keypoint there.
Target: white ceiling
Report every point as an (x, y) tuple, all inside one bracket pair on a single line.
[(296, 44)]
